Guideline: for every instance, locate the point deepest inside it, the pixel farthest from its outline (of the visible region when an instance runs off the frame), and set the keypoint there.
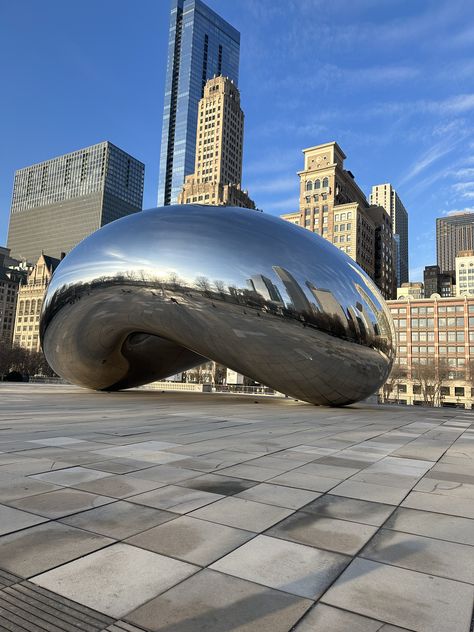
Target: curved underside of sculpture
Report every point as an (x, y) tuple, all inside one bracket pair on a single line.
[(164, 290)]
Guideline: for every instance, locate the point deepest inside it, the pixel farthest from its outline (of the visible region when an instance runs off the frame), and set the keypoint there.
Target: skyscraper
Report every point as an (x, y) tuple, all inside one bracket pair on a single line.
[(454, 234), (59, 202), (218, 163), (386, 196), (333, 206), (201, 45)]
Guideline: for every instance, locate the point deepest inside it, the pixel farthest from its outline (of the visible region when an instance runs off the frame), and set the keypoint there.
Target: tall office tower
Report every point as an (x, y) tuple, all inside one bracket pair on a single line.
[(12, 274), (453, 234), (386, 196), (218, 163), (59, 202), (200, 45), (333, 205), (30, 300)]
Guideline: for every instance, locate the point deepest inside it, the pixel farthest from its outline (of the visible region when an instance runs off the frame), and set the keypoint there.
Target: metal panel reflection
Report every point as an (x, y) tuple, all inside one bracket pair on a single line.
[(163, 290)]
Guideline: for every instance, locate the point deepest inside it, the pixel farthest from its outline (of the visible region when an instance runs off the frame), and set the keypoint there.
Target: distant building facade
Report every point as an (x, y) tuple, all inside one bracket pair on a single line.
[(12, 275), (30, 301), (59, 202), (454, 233), (219, 145), (386, 196), (435, 352), (464, 264), (437, 282), (333, 206), (201, 45), (414, 290)]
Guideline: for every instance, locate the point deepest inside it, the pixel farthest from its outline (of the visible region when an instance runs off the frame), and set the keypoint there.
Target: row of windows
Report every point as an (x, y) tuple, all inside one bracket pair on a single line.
[(317, 184)]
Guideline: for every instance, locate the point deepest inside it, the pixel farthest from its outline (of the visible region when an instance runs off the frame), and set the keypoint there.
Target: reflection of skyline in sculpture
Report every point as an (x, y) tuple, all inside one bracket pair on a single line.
[(215, 285), (264, 286), (298, 299)]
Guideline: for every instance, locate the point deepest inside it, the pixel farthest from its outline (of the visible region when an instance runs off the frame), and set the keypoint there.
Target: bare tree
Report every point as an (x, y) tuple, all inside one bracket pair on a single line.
[(430, 378), (23, 361), (397, 377)]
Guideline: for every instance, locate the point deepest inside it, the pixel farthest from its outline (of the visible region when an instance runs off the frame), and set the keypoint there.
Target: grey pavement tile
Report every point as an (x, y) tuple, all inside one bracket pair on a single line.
[(326, 533), (433, 525), (286, 566), (371, 492), (455, 477), (177, 499), (45, 546), (250, 472), (216, 484), (327, 471), (13, 520), (57, 441), (279, 495), (351, 509), (324, 618), (423, 554), (305, 481), (13, 487), (121, 466), (211, 602), (445, 488), (70, 476), (402, 597), (117, 579), (242, 514), (192, 540), (439, 503), (119, 520), (119, 486), (135, 452), (60, 502), (166, 474)]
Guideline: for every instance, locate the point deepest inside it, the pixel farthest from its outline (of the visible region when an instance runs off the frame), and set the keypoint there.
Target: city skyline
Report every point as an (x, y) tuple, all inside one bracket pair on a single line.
[(402, 117)]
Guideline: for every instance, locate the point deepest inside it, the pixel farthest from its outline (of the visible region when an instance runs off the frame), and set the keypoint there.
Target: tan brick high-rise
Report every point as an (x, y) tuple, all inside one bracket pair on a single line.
[(333, 205), (29, 303), (219, 142)]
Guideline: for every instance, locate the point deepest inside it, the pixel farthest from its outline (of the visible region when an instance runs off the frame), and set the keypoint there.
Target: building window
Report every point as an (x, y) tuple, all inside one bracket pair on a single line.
[(309, 185), (325, 183), (317, 184)]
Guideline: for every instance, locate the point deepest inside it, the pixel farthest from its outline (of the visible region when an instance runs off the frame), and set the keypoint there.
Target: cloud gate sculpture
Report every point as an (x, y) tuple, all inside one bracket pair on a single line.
[(164, 290)]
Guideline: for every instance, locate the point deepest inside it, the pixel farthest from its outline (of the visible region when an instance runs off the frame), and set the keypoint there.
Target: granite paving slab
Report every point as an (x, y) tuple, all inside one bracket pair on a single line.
[(324, 618), (419, 553), (39, 548), (70, 476), (119, 520), (177, 499), (192, 540), (119, 486), (342, 536), (242, 514), (287, 566), (212, 602), (279, 495), (350, 509), (12, 519), (115, 580), (60, 502), (402, 597), (217, 484), (433, 525)]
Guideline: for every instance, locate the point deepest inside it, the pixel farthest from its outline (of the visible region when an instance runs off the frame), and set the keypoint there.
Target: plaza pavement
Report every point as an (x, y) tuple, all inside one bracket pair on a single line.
[(208, 513)]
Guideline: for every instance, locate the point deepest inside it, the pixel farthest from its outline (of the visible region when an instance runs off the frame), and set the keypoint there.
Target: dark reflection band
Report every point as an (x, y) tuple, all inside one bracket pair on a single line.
[(163, 290)]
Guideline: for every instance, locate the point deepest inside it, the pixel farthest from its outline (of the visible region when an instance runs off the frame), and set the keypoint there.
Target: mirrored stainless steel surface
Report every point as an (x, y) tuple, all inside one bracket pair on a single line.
[(163, 290)]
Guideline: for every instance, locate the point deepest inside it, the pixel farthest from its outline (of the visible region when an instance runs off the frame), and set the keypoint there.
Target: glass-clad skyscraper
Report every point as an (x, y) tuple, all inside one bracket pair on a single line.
[(201, 44)]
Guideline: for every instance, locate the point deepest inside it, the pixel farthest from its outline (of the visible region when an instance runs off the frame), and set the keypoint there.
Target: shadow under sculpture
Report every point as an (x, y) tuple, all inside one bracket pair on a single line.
[(163, 290)]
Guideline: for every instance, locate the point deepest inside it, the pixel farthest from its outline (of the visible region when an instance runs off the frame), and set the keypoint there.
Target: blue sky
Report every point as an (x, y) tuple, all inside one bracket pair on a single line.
[(392, 81)]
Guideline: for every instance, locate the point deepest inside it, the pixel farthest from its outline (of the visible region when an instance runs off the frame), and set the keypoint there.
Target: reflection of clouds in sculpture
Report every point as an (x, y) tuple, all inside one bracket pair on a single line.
[(160, 291)]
